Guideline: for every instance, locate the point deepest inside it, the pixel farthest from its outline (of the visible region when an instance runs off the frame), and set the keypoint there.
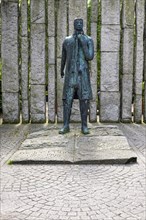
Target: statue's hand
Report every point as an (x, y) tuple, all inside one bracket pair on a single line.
[(82, 39)]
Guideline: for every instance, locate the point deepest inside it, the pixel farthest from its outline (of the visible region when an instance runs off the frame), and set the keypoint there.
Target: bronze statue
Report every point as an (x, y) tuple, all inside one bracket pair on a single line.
[(77, 50)]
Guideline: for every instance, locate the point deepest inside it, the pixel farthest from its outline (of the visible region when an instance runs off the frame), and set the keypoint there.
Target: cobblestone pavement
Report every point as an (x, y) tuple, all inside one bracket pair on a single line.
[(73, 192)]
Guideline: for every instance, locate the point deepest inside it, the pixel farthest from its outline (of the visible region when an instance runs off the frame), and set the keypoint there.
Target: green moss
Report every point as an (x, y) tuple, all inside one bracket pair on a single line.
[(10, 162)]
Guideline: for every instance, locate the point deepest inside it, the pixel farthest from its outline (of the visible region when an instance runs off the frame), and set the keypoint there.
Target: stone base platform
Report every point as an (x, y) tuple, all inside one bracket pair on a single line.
[(104, 145)]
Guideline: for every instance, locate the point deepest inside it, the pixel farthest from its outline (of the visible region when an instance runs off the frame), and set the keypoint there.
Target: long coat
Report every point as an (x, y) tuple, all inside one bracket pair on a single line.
[(74, 64)]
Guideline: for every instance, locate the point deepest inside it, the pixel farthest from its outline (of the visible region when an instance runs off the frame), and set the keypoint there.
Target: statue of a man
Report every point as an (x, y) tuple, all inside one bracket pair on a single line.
[(77, 50)]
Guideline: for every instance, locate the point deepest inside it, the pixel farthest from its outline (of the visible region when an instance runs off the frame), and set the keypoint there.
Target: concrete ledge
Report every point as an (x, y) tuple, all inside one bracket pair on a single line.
[(104, 145)]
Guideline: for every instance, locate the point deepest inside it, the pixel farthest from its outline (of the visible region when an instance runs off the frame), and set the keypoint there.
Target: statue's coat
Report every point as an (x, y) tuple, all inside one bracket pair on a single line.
[(74, 63)]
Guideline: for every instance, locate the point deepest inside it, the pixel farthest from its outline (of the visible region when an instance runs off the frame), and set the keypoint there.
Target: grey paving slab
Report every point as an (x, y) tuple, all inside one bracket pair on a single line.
[(104, 145)]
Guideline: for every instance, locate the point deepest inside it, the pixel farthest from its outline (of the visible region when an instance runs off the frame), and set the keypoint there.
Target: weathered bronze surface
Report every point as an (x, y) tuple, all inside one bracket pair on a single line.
[(77, 50)]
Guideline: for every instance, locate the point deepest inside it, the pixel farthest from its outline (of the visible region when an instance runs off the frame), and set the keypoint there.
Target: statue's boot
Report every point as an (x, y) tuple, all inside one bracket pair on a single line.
[(84, 105), (66, 117)]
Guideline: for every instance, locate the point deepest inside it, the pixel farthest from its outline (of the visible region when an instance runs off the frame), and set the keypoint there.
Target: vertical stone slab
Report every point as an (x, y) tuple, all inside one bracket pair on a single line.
[(38, 54), (51, 61), (51, 93), (38, 72), (38, 11), (38, 104), (51, 18), (11, 108), (77, 9), (110, 12), (140, 19), (61, 34), (109, 106), (127, 59), (128, 13), (144, 103), (93, 75), (24, 63), (126, 99), (9, 49), (110, 46)]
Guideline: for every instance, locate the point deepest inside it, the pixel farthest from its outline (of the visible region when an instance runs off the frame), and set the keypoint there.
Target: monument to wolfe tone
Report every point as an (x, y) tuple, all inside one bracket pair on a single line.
[(77, 50)]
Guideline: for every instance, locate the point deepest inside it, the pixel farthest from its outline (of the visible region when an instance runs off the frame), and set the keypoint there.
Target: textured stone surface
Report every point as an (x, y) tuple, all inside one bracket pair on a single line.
[(94, 11), (38, 11), (93, 78), (128, 50), (11, 110), (24, 18), (51, 18), (25, 111), (38, 100), (139, 47), (24, 68), (75, 114), (51, 93), (37, 54), (106, 146), (110, 38), (109, 106), (93, 111), (61, 22), (60, 82), (57, 191), (61, 34), (144, 104), (127, 90), (128, 13), (138, 108), (110, 11), (9, 47), (77, 9), (38, 118), (109, 72), (51, 52), (94, 34)]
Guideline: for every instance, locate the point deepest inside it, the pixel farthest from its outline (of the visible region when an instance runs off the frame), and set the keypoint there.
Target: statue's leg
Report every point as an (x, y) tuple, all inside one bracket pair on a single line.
[(67, 105), (84, 106)]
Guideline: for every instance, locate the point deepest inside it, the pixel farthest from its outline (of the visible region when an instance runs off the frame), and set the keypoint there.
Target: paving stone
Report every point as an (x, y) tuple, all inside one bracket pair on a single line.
[(110, 12)]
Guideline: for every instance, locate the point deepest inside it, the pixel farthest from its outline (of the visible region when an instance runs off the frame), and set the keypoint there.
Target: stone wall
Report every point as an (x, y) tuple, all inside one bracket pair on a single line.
[(32, 37)]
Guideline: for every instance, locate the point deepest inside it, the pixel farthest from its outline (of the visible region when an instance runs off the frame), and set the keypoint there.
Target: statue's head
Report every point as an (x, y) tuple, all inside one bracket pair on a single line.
[(78, 24)]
